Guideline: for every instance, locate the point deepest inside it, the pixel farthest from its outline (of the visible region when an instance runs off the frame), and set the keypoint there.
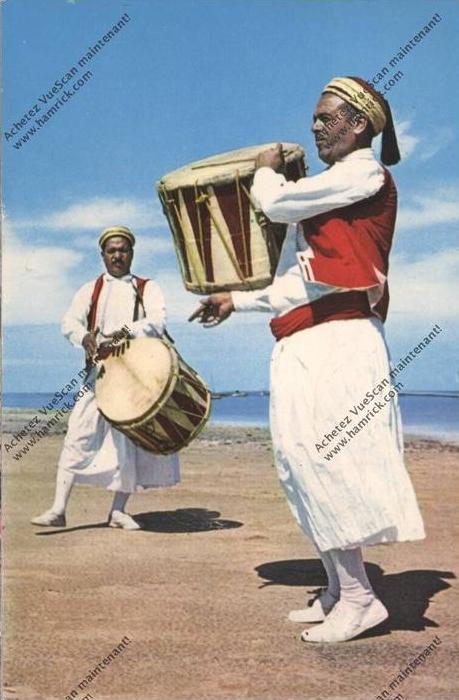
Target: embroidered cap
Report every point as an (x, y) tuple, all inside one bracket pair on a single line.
[(122, 231), (361, 95)]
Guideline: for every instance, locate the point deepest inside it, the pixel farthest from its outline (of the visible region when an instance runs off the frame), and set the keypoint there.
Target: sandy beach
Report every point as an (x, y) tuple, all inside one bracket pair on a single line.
[(201, 594)]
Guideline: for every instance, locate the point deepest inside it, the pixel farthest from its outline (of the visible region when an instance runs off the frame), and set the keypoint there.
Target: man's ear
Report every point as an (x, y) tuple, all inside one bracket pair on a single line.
[(359, 123)]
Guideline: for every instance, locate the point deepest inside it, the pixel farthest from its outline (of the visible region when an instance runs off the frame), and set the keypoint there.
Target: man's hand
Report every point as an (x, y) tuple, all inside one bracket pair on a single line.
[(214, 309), (89, 342), (272, 158), (105, 350)]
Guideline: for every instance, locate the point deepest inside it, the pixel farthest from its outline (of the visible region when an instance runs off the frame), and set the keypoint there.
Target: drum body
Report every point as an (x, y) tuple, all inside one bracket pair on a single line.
[(222, 241), (149, 393)]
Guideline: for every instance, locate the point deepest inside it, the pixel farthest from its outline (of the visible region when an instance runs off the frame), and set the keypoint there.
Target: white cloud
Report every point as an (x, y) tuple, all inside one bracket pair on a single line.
[(410, 143), (425, 288), (407, 142), (153, 245), (98, 213), (180, 303), (36, 281), (441, 207), (437, 140)]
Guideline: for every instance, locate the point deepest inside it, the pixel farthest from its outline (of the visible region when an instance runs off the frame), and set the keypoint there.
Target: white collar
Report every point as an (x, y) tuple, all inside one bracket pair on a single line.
[(359, 154), (110, 278)]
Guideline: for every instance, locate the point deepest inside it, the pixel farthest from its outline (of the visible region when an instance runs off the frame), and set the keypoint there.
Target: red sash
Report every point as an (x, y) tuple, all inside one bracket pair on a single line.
[(332, 307)]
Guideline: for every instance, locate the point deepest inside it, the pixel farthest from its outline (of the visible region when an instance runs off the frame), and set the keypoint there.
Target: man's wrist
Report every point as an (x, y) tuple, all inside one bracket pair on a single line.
[(239, 300), (262, 168), (81, 337), (264, 177)]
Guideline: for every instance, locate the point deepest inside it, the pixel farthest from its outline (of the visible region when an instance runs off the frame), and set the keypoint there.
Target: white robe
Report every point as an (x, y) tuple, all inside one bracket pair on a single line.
[(361, 494), (94, 451)]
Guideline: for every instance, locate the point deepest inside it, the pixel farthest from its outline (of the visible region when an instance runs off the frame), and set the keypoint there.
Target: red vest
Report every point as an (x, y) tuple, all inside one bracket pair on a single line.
[(351, 249)]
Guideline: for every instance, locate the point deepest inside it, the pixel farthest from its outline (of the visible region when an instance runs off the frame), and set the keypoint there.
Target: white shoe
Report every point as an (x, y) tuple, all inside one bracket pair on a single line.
[(122, 520), (316, 611), (50, 519), (346, 622)]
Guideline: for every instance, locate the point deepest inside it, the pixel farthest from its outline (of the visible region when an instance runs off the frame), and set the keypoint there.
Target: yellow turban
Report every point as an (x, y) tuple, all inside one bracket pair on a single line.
[(122, 231), (355, 94), (361, 95)]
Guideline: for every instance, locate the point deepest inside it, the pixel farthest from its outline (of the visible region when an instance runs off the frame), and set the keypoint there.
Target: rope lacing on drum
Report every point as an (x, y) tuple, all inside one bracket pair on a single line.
[(200, 199), (203, 198), (260, 216), (241, 219), (166, 200)]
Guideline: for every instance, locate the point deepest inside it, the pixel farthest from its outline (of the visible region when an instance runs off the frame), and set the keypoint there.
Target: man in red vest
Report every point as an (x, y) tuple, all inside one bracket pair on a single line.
[(334, 415), (116, 305)]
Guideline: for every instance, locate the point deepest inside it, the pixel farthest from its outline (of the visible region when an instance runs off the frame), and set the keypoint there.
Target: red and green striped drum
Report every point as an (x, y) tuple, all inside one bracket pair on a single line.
[(147, 391), (223, 242)]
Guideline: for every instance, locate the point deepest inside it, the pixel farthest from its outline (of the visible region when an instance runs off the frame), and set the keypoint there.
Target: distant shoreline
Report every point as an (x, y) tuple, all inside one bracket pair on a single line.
[(242, 393), (215, 432)]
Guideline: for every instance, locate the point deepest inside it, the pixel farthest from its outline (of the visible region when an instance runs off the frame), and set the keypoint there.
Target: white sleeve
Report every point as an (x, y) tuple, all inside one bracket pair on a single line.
[(75, 320), (257, 300), (343, 184), (154, 323)]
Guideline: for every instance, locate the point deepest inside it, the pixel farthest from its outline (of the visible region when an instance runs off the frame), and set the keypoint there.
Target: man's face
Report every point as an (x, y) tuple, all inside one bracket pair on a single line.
[(335, 134), (117, 256)]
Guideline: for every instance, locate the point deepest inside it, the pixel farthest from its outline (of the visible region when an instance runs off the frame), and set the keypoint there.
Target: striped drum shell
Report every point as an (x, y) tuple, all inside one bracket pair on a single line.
[(146, 390), (222, 241)]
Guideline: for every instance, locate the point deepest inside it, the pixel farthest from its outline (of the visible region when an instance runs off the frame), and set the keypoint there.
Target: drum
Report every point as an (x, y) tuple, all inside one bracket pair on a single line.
[(222, 241), (149, 393)]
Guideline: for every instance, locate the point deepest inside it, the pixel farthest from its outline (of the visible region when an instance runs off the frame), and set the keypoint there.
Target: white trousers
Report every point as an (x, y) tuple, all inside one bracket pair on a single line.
[(329, 378)]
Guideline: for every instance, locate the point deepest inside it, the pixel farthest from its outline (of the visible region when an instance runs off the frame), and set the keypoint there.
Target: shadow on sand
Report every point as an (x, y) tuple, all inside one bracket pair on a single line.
[(180, 520), (406, 594), (185, 520)]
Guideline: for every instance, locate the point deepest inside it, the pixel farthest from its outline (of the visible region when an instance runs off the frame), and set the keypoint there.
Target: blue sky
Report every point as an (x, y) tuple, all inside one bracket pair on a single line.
[(186, 79)]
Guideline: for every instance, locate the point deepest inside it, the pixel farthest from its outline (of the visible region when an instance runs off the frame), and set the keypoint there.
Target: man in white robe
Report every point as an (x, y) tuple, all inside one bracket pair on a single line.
[(330, 367), (94, 452)]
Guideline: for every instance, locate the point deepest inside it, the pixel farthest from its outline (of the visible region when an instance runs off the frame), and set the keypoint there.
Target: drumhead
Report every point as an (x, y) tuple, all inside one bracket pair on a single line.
[(222, 167), (130, 385)]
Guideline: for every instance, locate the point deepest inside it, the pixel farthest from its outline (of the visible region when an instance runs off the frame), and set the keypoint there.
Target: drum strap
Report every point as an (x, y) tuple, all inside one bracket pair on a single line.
[(93, 306), (139, 289)]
